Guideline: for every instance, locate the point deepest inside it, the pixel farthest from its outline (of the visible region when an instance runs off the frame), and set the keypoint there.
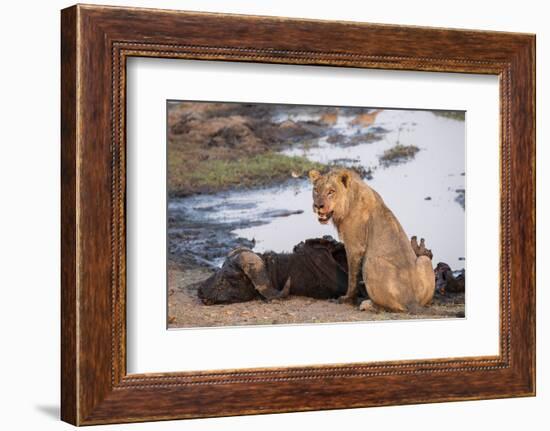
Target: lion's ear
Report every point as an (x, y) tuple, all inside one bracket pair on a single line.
[(345, 178), (313, 175)]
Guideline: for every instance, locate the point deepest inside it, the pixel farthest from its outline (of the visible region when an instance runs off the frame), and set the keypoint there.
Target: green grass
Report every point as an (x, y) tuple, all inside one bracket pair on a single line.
[(212, 175), (453, 115), (398, 153)]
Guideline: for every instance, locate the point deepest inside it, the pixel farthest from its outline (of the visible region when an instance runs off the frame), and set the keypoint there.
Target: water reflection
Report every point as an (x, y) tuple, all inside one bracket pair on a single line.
[(421, 192)]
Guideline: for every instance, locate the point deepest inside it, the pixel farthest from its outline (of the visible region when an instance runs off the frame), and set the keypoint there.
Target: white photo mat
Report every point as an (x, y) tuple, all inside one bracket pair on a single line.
[(151, 347)]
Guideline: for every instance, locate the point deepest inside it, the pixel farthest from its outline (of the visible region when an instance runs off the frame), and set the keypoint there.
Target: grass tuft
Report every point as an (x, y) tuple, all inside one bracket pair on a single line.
[(398, 153), (453, 115)]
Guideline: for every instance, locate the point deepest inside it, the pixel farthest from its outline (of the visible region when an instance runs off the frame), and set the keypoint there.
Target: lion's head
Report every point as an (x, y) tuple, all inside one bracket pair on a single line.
[(330, 193)]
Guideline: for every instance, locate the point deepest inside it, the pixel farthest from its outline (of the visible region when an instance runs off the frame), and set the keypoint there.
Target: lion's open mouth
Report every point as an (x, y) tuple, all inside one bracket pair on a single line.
[(324, 218)]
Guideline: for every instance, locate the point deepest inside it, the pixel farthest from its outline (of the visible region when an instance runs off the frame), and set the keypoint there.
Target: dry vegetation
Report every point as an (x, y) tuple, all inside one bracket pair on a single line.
[(215, 146)]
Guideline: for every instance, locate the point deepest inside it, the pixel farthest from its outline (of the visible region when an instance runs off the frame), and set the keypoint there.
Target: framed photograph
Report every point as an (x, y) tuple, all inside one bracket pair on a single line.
[(264, 215)]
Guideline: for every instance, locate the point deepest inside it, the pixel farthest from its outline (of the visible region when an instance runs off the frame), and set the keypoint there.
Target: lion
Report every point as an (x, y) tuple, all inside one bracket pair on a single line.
[(395, 277)]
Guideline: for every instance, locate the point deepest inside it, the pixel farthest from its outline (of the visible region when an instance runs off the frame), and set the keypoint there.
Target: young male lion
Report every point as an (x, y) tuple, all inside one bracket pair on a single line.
[(395, 278)]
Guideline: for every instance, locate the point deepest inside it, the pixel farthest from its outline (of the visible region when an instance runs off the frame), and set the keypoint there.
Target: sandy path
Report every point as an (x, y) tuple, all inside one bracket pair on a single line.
[(186, 310)]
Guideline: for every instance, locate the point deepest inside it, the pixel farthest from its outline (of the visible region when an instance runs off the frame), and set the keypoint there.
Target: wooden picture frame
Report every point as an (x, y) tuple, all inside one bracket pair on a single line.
[(95, 43)]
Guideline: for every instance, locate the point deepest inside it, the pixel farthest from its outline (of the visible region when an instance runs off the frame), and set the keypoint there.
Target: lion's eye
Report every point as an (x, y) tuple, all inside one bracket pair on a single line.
[(331, 192)]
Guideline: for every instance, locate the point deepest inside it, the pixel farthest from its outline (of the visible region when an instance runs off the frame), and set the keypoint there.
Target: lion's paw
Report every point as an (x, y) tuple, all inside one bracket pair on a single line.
[(346, 300), (367, 305)]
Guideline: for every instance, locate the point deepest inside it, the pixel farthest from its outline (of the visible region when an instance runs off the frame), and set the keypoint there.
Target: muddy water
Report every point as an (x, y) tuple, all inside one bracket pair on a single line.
[(421, 192)]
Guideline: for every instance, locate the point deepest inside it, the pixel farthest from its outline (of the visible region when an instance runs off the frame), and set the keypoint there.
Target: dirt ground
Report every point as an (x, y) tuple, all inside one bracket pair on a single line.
[(186, 310)]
